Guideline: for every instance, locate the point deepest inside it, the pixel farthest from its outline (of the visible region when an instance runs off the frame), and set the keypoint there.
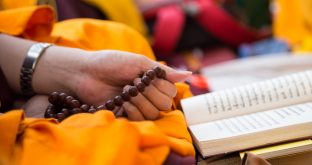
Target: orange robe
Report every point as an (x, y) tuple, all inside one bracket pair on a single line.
[(293, 23), (97, 138)]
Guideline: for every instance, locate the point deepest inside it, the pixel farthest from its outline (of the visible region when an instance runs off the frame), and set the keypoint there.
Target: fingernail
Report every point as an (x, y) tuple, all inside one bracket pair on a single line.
[(185, 72)]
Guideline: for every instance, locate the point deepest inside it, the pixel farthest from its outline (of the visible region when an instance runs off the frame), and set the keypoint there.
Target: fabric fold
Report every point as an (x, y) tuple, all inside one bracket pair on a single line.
[(34, 22), (9, 128)]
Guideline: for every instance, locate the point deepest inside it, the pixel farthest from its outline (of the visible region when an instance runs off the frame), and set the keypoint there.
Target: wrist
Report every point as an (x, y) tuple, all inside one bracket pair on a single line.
[(58, 70), (29, 65)]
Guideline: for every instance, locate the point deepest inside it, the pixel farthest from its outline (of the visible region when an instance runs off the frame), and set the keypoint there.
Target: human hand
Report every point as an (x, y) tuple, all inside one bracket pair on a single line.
[(95, 77), (107, 73)]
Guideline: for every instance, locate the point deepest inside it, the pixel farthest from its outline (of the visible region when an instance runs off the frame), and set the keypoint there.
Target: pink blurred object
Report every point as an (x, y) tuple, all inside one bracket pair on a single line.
[(217, 55)]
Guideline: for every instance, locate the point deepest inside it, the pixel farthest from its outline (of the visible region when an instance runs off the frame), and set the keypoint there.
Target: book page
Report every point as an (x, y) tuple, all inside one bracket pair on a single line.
[(251, 123), (283, 91)]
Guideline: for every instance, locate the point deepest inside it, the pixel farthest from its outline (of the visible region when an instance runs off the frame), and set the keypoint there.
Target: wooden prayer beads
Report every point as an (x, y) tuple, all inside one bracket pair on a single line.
[(62, 105)]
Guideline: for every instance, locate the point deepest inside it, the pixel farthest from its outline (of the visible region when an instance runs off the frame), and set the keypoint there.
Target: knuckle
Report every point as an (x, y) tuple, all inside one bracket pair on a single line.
[(153, 116), (165, 104)]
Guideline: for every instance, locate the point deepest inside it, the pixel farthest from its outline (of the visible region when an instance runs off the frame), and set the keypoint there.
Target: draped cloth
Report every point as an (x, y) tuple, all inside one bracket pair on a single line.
[(97, 138), (293, 23)]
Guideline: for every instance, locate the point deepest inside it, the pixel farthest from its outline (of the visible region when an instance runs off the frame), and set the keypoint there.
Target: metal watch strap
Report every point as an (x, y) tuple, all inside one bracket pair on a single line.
[(29, 65)]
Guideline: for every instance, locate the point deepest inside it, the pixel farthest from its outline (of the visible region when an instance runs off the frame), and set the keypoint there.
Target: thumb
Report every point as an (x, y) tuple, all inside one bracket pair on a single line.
[(172, 74)]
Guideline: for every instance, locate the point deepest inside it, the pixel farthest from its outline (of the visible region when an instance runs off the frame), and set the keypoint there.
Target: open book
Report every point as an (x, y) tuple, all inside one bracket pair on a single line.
[(253, 115)]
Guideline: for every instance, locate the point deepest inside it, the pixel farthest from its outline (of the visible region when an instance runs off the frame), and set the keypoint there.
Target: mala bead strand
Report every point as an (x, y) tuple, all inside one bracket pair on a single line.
[(62, 105)]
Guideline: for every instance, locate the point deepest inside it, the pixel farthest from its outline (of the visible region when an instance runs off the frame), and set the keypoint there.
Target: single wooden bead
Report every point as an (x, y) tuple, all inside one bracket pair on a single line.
[(146, 80), (62, 97), (51, 110), (118, 100), (150, 74), (157, 71), (75, 104), (110, 105), (125, 95), (60, 116), (50, 106), (100, 107), (163, 74), (92, 110), (76, 110), (53, 98), (68, 100), (160, 73), (51, 115), (140, 86), (65, 111), (85, 107), (133, 91), (46, 114)]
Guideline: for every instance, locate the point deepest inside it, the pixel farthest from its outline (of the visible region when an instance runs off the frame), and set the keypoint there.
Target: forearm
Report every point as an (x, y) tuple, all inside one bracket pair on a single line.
[(54, 68), (12, 54)]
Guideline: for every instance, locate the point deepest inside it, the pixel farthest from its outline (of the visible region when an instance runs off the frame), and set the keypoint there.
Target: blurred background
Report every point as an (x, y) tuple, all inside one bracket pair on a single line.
[(224, 42)]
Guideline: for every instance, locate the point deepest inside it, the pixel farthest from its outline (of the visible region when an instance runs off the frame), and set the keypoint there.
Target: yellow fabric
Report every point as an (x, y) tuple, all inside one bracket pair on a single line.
[(38, 24), (87, 138), (124, 11), (94, 34), (293, 22), (29, 22), (11, 4)]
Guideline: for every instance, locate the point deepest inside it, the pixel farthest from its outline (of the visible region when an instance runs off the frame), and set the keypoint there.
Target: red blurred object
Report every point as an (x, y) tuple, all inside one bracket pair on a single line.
[(198, 84), (170, 22)]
